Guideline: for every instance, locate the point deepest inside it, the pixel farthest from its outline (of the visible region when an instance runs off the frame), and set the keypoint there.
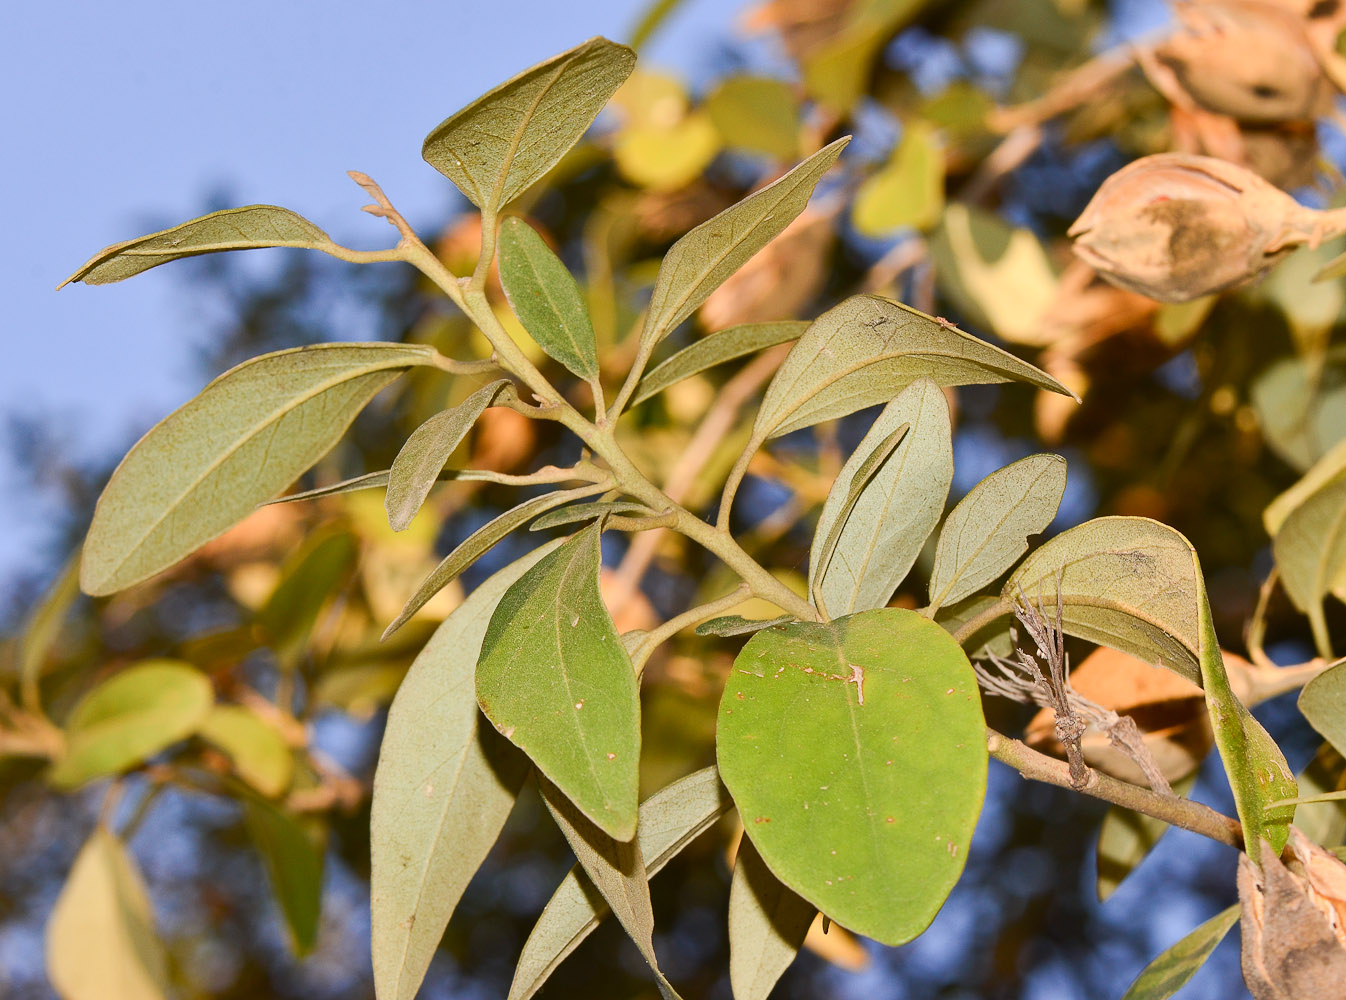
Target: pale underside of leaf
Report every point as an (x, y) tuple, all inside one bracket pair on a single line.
[(421, 459), (865, 350), (701, 260), (670, 819), (767, 926), (617, 870), (505, 140), (442, 791), (251, 227), (989, 527), (1323, 703), (248, 435), (555, 680), (373, 480), (587, 512), (478, 544), (894, 513), (716, 349)]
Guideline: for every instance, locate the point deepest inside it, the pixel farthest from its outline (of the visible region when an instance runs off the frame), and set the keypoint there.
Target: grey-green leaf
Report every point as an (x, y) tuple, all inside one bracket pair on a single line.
[(101, 940), (443, 789), (1322, 822), (421, 459), (291, 848), (1323, 703), (478, 544), (587, 512), (992, 637), (865, 350), (989, 527), (41, 630), (547, 299), (730, 625), (247, 436), (1126, 582), (617, 869), (555, 680), (246, 228), (670, 819), (716, 349), (373, 480), (1310, 548), (1171, 970), (767, 925), (505, 140), (897, 509), (701, 261)]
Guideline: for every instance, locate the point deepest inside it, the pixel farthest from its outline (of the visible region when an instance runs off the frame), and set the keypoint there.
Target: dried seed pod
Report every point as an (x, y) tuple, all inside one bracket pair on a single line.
[(1248, 59), (1290, 948), (1176, 227)]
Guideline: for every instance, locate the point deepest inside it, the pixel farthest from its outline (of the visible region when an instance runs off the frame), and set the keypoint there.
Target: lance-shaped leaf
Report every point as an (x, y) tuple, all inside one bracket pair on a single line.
[(291, 848), (373, 480), (716, 349), (505, 140), (856, 754), (1126, 838), (670, 819), (617, 869), (1323, 704), (246, 228), (1171, 970), (866, 350), (443, 789), (101, 941), (897, 509), (555, 679), (989, 528), (700, 262), (587, 512), (730, 625), (421, 459), (41, 630), (1125, 582), (257, 750), (131, 716), (247, 436), (547, 299), (767, 926), (321, 567), (479, 543)]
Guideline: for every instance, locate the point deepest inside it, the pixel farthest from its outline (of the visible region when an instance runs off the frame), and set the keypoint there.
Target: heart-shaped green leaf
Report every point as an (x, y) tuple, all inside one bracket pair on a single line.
[(555, 679), (856, 754), (246, 437)]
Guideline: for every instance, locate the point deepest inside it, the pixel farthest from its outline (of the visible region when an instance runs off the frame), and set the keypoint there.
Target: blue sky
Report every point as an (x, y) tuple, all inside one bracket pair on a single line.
[(123, 117)]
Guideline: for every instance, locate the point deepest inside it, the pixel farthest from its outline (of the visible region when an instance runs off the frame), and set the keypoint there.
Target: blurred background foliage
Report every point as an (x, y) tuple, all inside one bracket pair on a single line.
[(240, 783)]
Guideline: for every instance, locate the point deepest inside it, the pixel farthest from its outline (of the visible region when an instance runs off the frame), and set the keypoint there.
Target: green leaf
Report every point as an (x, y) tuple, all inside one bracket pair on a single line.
[(505, 140), (547, 299), (258, 752), (896, 511), (989, 528), (908, 191), (994, 637), (309, 578), (41, 630), (233, 229), (131, 716), (587, 512), (1310, 544), (292, 854), (617, 869), (730, 625), (1301, 406), (247, 436), (1322, 823), (1323, 704), (554, 679), (479, 543), (856, 754), (727, 345), (701, 261), (1322, 473), (670, 819), (1126, 582), (1125, 839), (421, 459), (373, 480), (836, 72), (101, 940), (867, 349), (756, 113), (767, 926), (443, 789), (1171, 970)]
